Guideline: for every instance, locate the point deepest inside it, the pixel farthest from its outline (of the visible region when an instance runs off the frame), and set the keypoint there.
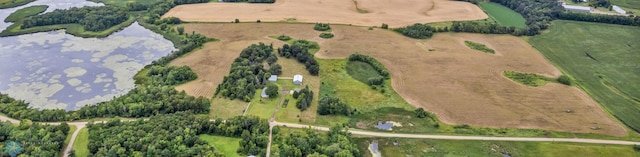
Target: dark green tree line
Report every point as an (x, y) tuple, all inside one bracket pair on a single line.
[(35, 139), (335, 143), (91, 18), (329, 105), (300, 50), (371, 61)]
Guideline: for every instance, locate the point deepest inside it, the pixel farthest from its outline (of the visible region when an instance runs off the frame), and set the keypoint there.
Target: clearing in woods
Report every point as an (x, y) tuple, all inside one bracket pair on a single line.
[(453, 74), (213, 62), (604, 62), (394, 13)]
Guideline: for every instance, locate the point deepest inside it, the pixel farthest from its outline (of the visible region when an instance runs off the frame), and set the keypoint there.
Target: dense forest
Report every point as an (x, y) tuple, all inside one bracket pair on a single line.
[(329, 105), (304, 97), (175, 135), (335, 143), (300, 51), (91, 18), (35, 139), (247, 73), (170, 75)]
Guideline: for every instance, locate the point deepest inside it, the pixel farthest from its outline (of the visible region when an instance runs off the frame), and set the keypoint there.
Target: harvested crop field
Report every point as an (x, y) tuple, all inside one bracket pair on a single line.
[(394, 13), (458, 84)]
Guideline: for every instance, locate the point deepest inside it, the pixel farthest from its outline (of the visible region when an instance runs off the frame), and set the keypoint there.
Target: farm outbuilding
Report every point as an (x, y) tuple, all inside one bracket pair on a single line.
[(297, 79), (577, 8), (618, 10), (384, 126), (273, 78)]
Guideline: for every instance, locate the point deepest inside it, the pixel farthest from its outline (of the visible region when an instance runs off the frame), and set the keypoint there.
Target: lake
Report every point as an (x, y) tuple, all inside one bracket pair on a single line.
[(54, 70)]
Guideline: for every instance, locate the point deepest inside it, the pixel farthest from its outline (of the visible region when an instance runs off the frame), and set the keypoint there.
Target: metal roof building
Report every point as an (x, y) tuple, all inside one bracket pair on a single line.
[(618, 9), (273, 78), (577, 8)]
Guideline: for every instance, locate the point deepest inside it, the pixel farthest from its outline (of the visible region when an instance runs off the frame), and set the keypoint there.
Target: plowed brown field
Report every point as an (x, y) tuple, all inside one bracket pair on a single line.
[(394, 13), (442, 75)]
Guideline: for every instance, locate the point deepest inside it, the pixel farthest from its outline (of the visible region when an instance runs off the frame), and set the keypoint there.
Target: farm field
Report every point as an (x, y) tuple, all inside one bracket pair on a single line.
[(610, 74), (633, 4), (228, 146), (454, 74), (424, 147), (503, 15), (396, 14)]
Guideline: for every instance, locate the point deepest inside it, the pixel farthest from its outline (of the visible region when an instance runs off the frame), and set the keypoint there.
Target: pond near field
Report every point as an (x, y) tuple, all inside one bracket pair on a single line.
[(57, 70)]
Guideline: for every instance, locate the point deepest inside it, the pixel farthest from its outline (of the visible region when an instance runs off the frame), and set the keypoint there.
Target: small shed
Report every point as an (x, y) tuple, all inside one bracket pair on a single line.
[(264, 93), (374, 146), (384, 126), (297, 79), (273, 78)]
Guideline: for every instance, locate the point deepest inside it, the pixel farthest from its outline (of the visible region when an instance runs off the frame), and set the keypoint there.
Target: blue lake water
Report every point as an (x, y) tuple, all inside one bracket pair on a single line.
[(57, 70)]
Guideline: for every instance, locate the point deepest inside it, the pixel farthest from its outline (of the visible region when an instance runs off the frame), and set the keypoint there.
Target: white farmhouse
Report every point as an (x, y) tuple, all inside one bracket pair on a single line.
[(297, 79)]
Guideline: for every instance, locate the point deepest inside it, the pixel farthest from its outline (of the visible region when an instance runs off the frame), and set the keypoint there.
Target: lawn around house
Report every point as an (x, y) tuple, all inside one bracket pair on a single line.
[(503, 15), (81, 144), (603, 62), (228, 146)]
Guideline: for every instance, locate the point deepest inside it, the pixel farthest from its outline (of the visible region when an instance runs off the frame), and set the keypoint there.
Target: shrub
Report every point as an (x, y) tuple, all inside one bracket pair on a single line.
[(418, 31), (384, 26), (284, 37), (636, 147), (322, 27), (420, 113), (376, 80), (564, 80), (237, 21), (326, 35), (258, 21)]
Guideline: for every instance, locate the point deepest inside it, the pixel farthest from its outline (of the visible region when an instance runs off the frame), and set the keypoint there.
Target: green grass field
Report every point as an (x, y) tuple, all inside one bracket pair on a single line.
[(13, 3), (429, 147), (633, 4), (479, 47), (361, 71), (503, 15), (262, 107), (225, 145), (602, 59), (26, 12), (82, 142), (528, 79)]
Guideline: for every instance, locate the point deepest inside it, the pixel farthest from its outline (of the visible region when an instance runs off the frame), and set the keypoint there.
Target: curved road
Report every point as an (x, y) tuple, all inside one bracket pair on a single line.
[(272, 123)]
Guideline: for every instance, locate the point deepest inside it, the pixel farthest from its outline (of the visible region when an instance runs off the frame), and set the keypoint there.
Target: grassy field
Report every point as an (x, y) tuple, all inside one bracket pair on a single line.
[(26, 12), (603, 62), (528, 79), (361, 71), (633, 4), (429, 147), (13, 3), (225, 145), (262, 107), (224, 108), (479, 47), (82, 142), (503, 15), (73, 29)]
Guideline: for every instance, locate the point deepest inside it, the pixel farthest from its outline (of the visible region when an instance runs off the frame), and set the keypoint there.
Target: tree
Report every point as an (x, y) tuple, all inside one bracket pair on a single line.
[(420, 113), (275, 69), (272, 90), (384, 26), (180, 30), (237, 21), (564, 80)]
